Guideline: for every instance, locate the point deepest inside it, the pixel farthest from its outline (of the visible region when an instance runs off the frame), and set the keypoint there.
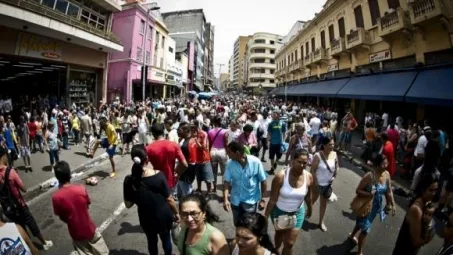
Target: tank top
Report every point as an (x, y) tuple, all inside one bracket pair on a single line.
[(323, 174), (403, 243), (236, 251), (142, 128), (291, 199), (11, 238), (199, 248)]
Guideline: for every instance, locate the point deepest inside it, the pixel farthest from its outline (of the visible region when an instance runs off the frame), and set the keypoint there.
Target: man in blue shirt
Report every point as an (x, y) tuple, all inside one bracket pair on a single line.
[(276, 131), (245, 180)]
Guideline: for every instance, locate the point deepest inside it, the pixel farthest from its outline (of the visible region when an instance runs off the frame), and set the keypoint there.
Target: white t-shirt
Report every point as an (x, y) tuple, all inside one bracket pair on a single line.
[(315, 124), (264, 124), (385, 119), (10, 238), (421, 145)]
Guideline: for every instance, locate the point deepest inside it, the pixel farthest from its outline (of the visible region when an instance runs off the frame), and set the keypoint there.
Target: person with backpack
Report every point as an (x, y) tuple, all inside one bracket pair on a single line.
[(12, 202)]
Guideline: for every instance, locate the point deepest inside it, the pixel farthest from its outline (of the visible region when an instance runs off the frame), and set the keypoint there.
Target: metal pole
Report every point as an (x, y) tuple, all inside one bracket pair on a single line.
[(144, 57), (286, 87)]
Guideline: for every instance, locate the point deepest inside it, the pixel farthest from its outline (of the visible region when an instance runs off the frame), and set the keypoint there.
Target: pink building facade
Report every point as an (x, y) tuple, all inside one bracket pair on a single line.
[(125, 67)]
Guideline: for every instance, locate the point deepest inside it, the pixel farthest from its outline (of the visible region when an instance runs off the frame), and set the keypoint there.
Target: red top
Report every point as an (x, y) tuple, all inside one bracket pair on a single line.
[(201, 154), (394, 137), (15, 182), (163, 155), (389, 152), (71, 204), (32, 129)]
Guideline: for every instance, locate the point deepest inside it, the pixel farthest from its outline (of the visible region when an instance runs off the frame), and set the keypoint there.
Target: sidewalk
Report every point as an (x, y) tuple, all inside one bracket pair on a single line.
[(357, 149)]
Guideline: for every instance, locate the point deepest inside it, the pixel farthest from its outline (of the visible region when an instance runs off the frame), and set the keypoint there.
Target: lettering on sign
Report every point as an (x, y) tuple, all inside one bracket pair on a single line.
[(332, 67), (380, 56), (38, 47), (159, 74)]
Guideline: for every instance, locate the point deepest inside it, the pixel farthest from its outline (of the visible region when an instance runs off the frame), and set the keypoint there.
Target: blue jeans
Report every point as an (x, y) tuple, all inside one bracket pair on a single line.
[(240, 210), (165, 238), (183, 189), (65, 141), (54, 157)]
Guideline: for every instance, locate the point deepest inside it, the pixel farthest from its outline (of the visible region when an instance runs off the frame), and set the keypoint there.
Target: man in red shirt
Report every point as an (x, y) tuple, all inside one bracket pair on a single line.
[(163, 154), (199, 146), (71, 203)]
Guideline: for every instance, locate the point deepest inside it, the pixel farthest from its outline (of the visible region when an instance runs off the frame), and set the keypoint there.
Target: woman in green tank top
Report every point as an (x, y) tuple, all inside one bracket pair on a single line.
[(198, 236)]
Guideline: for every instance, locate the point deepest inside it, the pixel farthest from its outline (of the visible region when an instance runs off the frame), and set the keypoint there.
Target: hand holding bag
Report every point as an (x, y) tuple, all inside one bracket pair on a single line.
[(362, 205), (289, 220)]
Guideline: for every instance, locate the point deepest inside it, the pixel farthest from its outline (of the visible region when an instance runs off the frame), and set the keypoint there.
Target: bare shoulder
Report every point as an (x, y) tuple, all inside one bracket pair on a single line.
[(217, 237)]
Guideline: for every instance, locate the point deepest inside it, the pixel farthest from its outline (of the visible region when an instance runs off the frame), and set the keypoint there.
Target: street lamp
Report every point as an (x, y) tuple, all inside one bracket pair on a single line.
[(154, 7)]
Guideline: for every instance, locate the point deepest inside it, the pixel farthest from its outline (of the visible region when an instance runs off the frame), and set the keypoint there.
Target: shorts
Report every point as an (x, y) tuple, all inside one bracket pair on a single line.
[(110, 151), (96, 245), (300, 215), (204, 172), (240, 210), (183, 189), (25, 151), (127, 137), (264, 143), (345, 137), (275, 150)]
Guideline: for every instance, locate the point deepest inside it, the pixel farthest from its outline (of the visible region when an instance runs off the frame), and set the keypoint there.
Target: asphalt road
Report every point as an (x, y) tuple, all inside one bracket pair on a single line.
[(123, 234)]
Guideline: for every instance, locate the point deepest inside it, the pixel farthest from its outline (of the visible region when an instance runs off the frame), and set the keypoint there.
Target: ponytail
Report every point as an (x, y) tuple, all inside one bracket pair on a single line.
[(136, 174), (138, 155)]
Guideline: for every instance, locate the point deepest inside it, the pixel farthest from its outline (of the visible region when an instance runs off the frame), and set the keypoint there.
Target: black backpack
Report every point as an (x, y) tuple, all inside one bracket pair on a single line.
[(9, 203)]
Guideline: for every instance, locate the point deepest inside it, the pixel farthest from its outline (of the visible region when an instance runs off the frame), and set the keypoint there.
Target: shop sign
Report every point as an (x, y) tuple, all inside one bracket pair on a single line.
[(170, 77), (332, 67), (159, 74), (35, 46), (380, 56)]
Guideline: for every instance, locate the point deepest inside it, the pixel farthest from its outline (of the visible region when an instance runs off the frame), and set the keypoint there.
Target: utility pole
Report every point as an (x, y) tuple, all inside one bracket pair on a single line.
[(144, 73), (220, 72)]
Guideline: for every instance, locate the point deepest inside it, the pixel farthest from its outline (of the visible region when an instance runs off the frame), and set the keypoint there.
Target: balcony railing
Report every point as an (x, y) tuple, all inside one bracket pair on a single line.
[(308, 60), (422, 10), (337, 46), (72, 21), (319, 54), (393, 22), (358, 37), (297, 65)]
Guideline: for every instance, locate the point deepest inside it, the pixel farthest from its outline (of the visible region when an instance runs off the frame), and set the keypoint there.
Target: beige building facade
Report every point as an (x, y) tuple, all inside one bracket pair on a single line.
[(359, 36), (238, 60)]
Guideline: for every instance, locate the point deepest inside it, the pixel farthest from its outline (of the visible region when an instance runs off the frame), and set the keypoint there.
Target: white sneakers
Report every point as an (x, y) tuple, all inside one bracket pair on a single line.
[(47, 245)]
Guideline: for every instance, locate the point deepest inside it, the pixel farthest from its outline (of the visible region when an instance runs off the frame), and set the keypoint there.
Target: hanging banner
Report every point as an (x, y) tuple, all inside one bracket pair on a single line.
[(332, 67), (380, 56), (36, 46)]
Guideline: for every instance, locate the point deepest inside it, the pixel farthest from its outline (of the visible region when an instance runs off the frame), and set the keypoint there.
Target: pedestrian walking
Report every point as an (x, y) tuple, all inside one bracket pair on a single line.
[(218, 143), (24, 142)]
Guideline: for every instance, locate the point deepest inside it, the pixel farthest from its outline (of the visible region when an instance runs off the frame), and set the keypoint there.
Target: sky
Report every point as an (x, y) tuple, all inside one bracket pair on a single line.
[(233, 18)]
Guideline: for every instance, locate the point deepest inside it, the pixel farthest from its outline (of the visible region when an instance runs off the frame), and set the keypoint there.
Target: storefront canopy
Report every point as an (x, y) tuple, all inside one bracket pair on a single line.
[(385, 87), (327, 88), (432, 87)]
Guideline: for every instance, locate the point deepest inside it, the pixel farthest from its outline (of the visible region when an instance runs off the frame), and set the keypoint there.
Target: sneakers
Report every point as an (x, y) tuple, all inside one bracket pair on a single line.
[(47, 245), (112, 174)]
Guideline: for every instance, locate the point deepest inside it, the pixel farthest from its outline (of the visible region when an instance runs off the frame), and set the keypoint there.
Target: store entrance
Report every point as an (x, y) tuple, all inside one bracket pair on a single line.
[(31, 84)]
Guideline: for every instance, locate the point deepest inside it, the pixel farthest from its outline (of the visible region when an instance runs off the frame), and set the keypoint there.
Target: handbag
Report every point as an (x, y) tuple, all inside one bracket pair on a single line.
[(362, 205), (287, 221), (328, 191)]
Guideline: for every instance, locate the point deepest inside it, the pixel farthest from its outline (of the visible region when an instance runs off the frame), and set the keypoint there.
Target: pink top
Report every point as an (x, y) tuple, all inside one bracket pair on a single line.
[(218, 134), (247, 141)]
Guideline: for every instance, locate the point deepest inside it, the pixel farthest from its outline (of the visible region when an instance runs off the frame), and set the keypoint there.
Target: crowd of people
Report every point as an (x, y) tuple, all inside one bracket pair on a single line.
[(193, 139)]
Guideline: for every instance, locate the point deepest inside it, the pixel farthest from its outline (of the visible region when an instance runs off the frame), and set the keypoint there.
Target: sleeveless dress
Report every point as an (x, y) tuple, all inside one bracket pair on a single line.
[(365, 223), (236, 251)]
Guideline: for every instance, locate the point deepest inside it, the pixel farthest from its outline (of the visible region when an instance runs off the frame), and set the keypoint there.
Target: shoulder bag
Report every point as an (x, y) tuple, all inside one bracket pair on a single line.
[(328, 191), (288, 220), (362, 205), (215, 137)]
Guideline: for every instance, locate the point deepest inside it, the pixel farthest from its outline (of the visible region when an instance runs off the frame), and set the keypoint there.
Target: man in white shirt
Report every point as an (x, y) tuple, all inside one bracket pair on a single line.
[(171, 133), (263, 126), (315, 124), (419, 152), (385, 120)]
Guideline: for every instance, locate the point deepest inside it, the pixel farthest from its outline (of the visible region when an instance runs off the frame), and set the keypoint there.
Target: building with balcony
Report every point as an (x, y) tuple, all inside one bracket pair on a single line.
[(371, 55), (209, 56), (239, 51), (260, 60), (59, 48)]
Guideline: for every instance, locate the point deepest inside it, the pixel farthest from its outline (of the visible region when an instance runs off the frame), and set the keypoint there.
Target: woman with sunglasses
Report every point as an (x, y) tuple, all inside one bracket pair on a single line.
[(324, 169), (414, 232), (291, 190), (198, 236)]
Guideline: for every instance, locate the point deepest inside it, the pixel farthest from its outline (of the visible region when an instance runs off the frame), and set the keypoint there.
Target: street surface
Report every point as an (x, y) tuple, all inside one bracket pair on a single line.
[(123, 234)]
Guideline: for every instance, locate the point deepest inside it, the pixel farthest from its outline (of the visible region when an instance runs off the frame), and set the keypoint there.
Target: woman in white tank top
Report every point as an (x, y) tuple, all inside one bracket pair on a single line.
[(290, 192), (252, 237), (324, 175)]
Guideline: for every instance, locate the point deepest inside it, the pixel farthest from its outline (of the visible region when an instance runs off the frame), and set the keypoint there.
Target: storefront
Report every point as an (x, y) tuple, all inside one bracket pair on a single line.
[(157, 82), (33, 66), (174, 81)]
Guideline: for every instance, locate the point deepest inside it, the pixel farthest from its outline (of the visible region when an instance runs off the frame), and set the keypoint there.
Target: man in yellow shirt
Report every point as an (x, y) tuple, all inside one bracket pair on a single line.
[(108, 143)]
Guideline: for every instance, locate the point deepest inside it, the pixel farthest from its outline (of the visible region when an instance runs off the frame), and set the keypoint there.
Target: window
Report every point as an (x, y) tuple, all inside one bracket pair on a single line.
[(341, 27), (271, 81), (157, 38), (292, 57), (313, 44), (331, 33), (260, 60), (358, 17), (142, 26), (161, 64), (73, 10), (150, 33), (139, 54), (295, 53), (289, 59), (170, 49), (272, 61), (155, 59), (49, 3), (272, 51), (272, 42), (260, 41), (163, 42), (61, 6), (393, 4), (301, 52), (374, 11), (260, 51), (272, 71), (148, 55), (307, 48), (323, 39)]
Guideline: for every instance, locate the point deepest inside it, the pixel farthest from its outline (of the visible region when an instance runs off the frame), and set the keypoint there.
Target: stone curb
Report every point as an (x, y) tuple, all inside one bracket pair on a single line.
[(44, 186)]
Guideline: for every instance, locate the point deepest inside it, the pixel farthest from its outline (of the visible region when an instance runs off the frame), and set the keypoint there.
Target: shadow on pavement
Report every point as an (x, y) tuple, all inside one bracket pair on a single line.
[(125, 252), (47, 168), (342, 248), (100, 174), (127, 228), (349, 215), (307, 226), (81, 154)]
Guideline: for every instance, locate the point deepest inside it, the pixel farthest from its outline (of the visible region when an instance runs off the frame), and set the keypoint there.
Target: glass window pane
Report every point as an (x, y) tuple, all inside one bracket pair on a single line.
[(85, 13), (61, 6), (101, 27), (48, 3), (93, 17), (93, 23), (84, 19), (73, 10), (101, 21)]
